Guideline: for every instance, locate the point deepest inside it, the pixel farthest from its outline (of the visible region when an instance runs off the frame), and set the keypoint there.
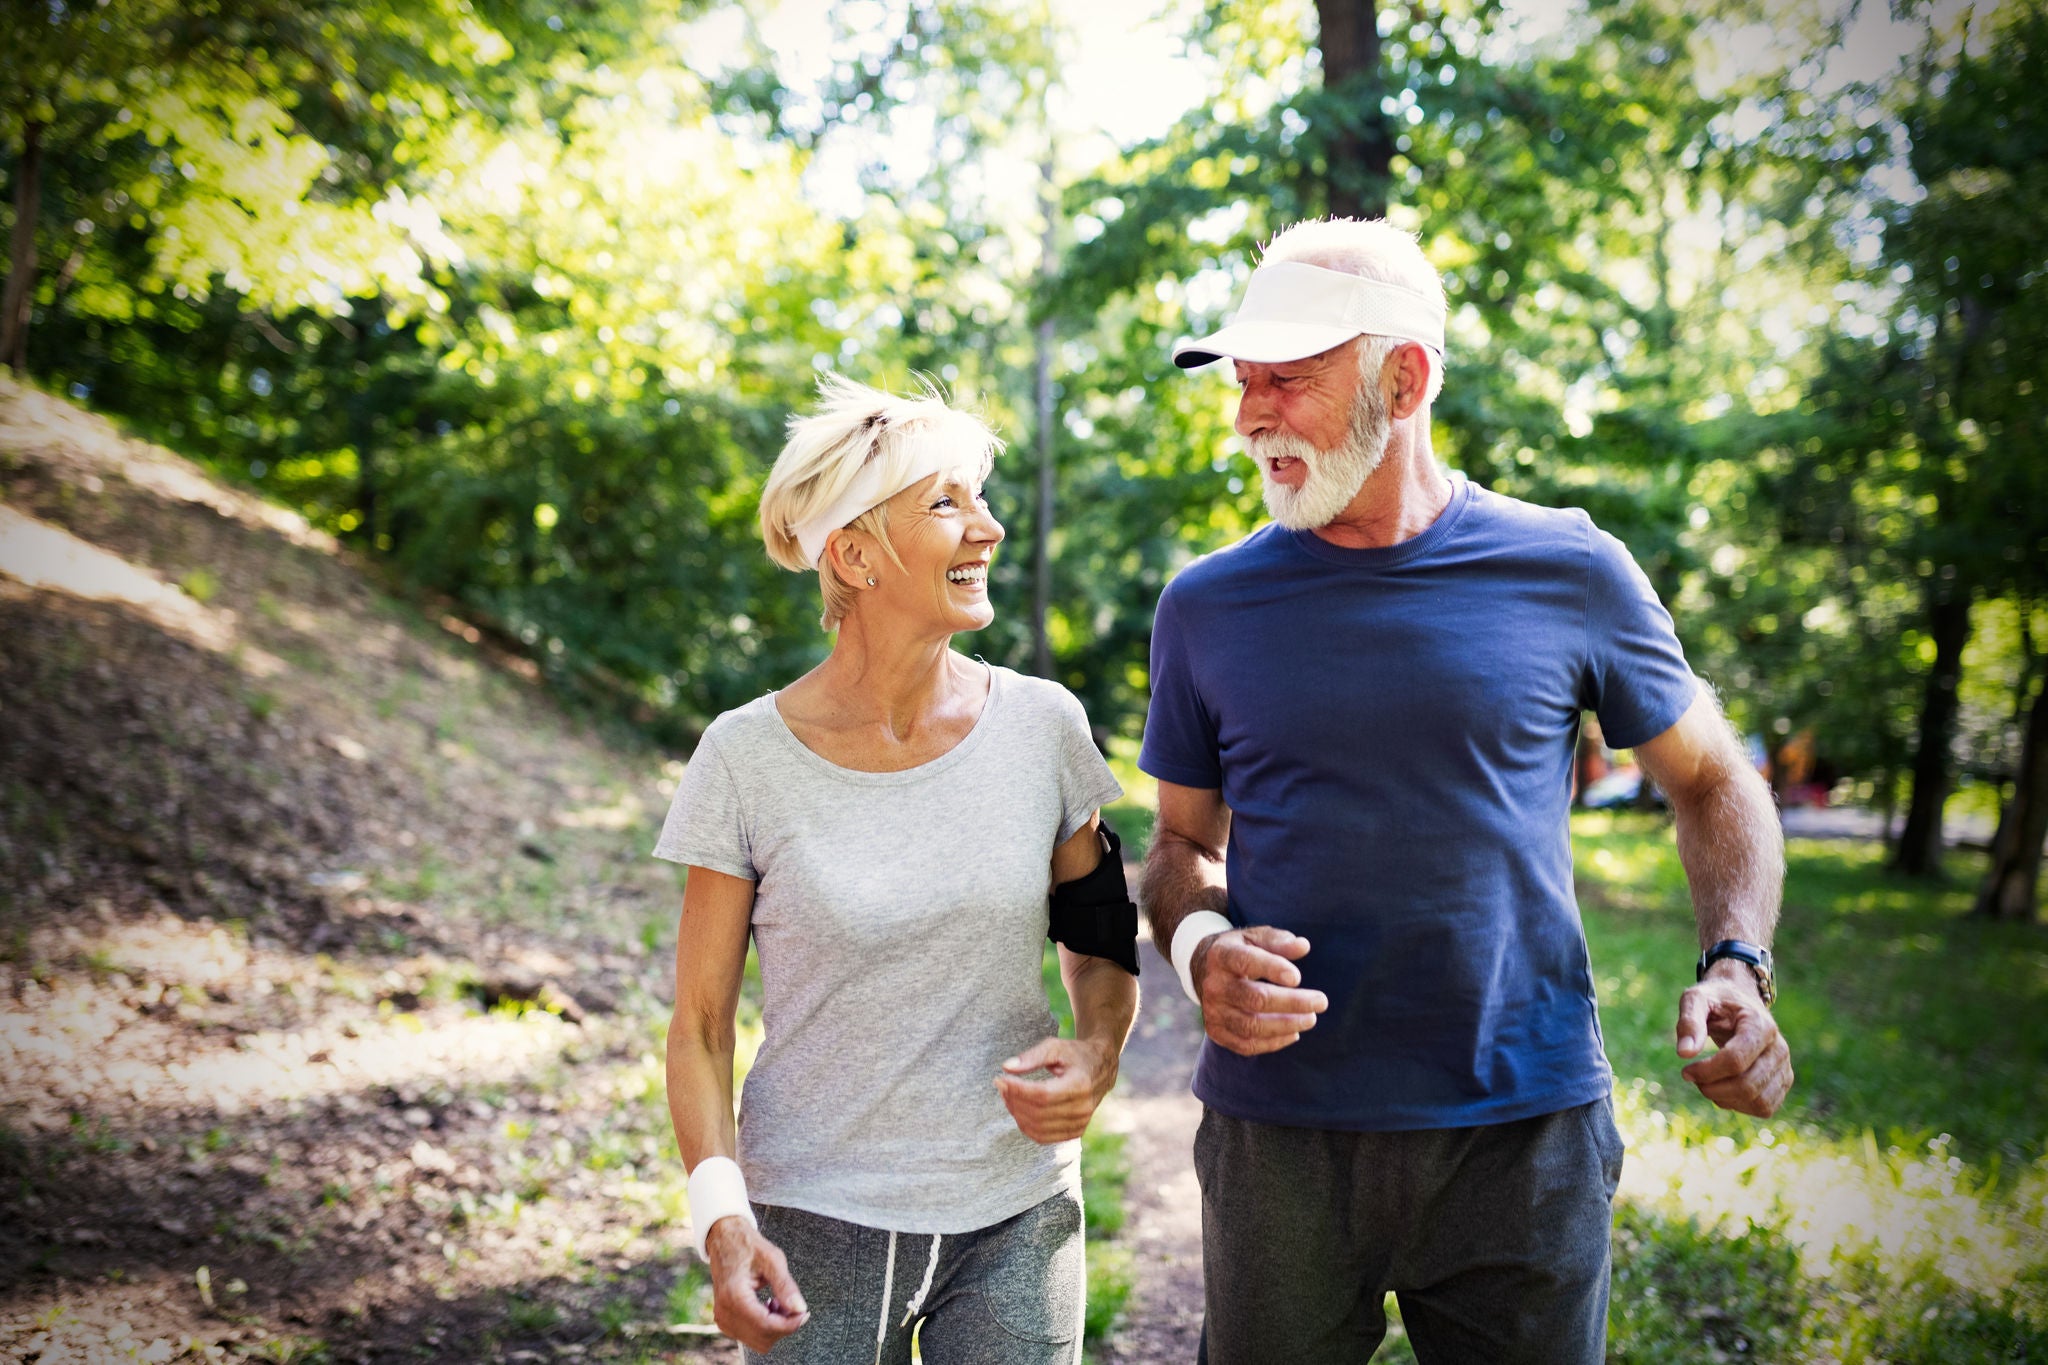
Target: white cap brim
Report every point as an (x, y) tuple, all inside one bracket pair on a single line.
[(1262, 343), (1293, 310)]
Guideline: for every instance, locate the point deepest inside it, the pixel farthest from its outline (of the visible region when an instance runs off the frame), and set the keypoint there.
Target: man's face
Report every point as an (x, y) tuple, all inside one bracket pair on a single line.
[(1316, 430)]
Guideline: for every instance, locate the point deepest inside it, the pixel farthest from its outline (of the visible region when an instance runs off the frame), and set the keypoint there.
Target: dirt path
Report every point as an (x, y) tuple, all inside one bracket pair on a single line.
[(1162, 1322)]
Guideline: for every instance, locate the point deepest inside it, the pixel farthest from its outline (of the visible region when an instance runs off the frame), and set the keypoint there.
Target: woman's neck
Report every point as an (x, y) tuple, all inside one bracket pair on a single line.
[(895, 685)]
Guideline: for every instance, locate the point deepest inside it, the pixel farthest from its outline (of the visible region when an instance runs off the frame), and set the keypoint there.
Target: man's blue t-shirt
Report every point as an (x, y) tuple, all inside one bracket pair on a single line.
[(1393, 731)]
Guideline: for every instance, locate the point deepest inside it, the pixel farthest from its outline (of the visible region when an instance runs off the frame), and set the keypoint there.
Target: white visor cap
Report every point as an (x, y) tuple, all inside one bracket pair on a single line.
[(1292, 310)]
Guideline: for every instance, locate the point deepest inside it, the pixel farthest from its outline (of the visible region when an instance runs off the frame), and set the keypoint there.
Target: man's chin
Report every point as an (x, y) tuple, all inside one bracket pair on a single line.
[(1290, 510)]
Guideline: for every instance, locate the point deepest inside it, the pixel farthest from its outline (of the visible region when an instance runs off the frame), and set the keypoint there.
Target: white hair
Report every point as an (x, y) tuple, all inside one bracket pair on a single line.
[(1377, 250), (853, 427)]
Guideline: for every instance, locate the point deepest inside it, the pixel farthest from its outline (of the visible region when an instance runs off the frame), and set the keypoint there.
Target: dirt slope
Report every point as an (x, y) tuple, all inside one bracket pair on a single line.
[(331, 962)]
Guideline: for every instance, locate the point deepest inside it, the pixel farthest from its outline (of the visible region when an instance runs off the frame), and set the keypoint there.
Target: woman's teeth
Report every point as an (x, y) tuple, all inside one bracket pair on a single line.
[(970, 573)]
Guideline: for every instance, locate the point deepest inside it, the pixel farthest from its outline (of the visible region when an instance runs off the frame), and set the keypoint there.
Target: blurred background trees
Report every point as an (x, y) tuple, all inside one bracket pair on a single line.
[(516, 295)]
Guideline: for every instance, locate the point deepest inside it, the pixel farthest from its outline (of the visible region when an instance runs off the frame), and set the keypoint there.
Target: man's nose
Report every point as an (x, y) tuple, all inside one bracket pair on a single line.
[(1254, 409)]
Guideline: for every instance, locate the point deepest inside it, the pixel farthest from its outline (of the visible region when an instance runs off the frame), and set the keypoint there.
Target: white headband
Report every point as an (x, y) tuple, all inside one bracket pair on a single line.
[(1292, 311), (936, 445)]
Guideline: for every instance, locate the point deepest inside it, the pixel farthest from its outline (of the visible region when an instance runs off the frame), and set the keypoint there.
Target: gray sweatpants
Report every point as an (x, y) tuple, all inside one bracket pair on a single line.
[(1494, 1240), (1009, 1294)]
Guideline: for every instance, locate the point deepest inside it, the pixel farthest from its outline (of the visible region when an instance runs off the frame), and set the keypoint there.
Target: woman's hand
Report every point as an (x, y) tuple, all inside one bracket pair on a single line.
[(1057, 1107), (743, 1263)]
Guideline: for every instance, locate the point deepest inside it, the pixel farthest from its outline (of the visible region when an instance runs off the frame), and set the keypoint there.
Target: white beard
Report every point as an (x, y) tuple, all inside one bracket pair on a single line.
[(1334, 475)]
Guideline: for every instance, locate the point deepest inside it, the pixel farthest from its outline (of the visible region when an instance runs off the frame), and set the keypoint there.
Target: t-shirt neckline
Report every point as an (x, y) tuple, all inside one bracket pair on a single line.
[(1386, 556), (930, 767)]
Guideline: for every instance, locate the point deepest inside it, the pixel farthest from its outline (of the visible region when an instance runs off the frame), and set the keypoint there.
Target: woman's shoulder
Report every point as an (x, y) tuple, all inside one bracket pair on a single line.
[(743, 728), (1037, 697)]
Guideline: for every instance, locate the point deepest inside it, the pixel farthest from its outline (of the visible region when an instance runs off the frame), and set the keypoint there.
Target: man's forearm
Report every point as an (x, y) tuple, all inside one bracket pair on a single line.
[(1734, 856), (1181, 877)]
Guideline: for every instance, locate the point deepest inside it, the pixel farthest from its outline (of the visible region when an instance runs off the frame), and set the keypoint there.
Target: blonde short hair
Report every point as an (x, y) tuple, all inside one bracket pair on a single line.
[(1375, 249), (856, 426)]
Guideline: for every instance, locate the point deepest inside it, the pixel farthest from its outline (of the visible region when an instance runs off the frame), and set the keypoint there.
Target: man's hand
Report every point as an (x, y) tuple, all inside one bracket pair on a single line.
[(743, 1263), (1057, 1106), (1753, 1069), (1252, 1001)]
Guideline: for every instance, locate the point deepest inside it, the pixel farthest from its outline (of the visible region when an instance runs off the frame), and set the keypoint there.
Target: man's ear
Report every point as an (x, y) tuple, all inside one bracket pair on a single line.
[(1410, 364), (848, 554)]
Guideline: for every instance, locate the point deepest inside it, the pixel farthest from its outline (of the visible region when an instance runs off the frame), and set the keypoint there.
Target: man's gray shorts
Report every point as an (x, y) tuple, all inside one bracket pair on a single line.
[(1010, 1294), (1494, 1240)]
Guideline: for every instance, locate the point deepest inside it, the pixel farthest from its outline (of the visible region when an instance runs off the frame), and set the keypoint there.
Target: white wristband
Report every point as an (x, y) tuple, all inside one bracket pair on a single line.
[(717, 1190), (1194, 927)]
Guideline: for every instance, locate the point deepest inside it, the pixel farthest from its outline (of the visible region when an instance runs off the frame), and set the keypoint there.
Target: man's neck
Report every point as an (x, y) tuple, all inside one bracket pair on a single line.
[(1398, 501)]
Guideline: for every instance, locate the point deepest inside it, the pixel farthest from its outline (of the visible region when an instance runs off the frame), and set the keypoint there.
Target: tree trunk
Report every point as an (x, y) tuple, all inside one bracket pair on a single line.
[(21, 256), (2014, 877), (1919, 850), (1041, 528), (362, 434), (1360, 147)]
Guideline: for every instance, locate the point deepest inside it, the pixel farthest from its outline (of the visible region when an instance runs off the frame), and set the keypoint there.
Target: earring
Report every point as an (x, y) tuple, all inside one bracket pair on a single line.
[(871, 580)]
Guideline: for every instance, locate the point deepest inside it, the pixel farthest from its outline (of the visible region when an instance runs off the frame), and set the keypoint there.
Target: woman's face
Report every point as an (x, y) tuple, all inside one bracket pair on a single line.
[(945, 536)]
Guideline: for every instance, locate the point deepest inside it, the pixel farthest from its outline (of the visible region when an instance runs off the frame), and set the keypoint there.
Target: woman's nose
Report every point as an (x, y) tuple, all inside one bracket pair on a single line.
[(988, 528)]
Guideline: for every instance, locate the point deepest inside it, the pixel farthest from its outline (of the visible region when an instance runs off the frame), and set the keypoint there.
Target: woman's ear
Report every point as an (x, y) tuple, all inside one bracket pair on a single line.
[(848, 553)]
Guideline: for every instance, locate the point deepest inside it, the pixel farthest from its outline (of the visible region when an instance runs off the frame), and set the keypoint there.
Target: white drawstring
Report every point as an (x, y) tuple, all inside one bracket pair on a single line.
[(931, 1268), (888, 1288)]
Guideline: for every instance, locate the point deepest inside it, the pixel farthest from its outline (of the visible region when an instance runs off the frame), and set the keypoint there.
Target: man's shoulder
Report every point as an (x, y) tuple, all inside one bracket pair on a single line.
[(1500, 514), (1218, 570)]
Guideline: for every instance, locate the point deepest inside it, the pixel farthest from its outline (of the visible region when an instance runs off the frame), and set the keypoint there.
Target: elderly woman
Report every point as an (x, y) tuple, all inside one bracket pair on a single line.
[(899, 830)]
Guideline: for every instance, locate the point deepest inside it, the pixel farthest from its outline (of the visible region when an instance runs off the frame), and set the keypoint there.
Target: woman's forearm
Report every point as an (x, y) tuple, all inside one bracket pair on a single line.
[(699, 1064), (1105, 1001)]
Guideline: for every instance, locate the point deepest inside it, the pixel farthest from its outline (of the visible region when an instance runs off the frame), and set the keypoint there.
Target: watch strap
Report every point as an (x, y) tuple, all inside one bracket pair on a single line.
[(1758, 959)]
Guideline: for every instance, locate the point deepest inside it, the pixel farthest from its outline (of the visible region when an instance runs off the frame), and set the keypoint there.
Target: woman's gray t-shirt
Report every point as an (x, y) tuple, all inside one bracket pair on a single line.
[(900, 920)]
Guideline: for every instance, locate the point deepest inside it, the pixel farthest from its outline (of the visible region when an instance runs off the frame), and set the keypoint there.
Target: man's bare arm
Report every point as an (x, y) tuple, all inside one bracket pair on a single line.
[(1727, 825), (1184, 866), (1734, 857), (1249, 987)]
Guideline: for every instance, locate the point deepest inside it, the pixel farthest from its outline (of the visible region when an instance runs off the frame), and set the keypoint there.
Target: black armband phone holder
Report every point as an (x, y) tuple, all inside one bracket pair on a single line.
[(1094, 914)]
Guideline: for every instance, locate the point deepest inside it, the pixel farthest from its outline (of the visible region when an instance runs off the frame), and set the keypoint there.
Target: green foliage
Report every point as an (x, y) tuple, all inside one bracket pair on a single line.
[(518, 301)]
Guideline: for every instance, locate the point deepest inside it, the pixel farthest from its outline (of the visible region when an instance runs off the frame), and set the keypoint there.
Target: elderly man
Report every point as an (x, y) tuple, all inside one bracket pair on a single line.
[(1362, 723)]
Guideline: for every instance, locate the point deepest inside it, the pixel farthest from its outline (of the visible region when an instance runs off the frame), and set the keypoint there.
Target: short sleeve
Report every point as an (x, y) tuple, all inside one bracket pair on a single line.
[(1180, 734), (1636, 677), (707, 825), (1086, 783)]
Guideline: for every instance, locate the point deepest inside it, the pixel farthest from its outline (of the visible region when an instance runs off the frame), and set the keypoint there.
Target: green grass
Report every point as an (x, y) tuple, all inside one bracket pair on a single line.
[(1907, 1018), (1897, 1207), (527, 1316)]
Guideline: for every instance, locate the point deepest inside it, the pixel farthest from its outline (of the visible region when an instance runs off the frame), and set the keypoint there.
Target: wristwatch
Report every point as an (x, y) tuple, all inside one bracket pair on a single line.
[(1759, 960)]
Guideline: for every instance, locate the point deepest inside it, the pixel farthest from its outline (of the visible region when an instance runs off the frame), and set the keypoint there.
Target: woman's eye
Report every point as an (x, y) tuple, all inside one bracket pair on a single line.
[(942, 502)]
